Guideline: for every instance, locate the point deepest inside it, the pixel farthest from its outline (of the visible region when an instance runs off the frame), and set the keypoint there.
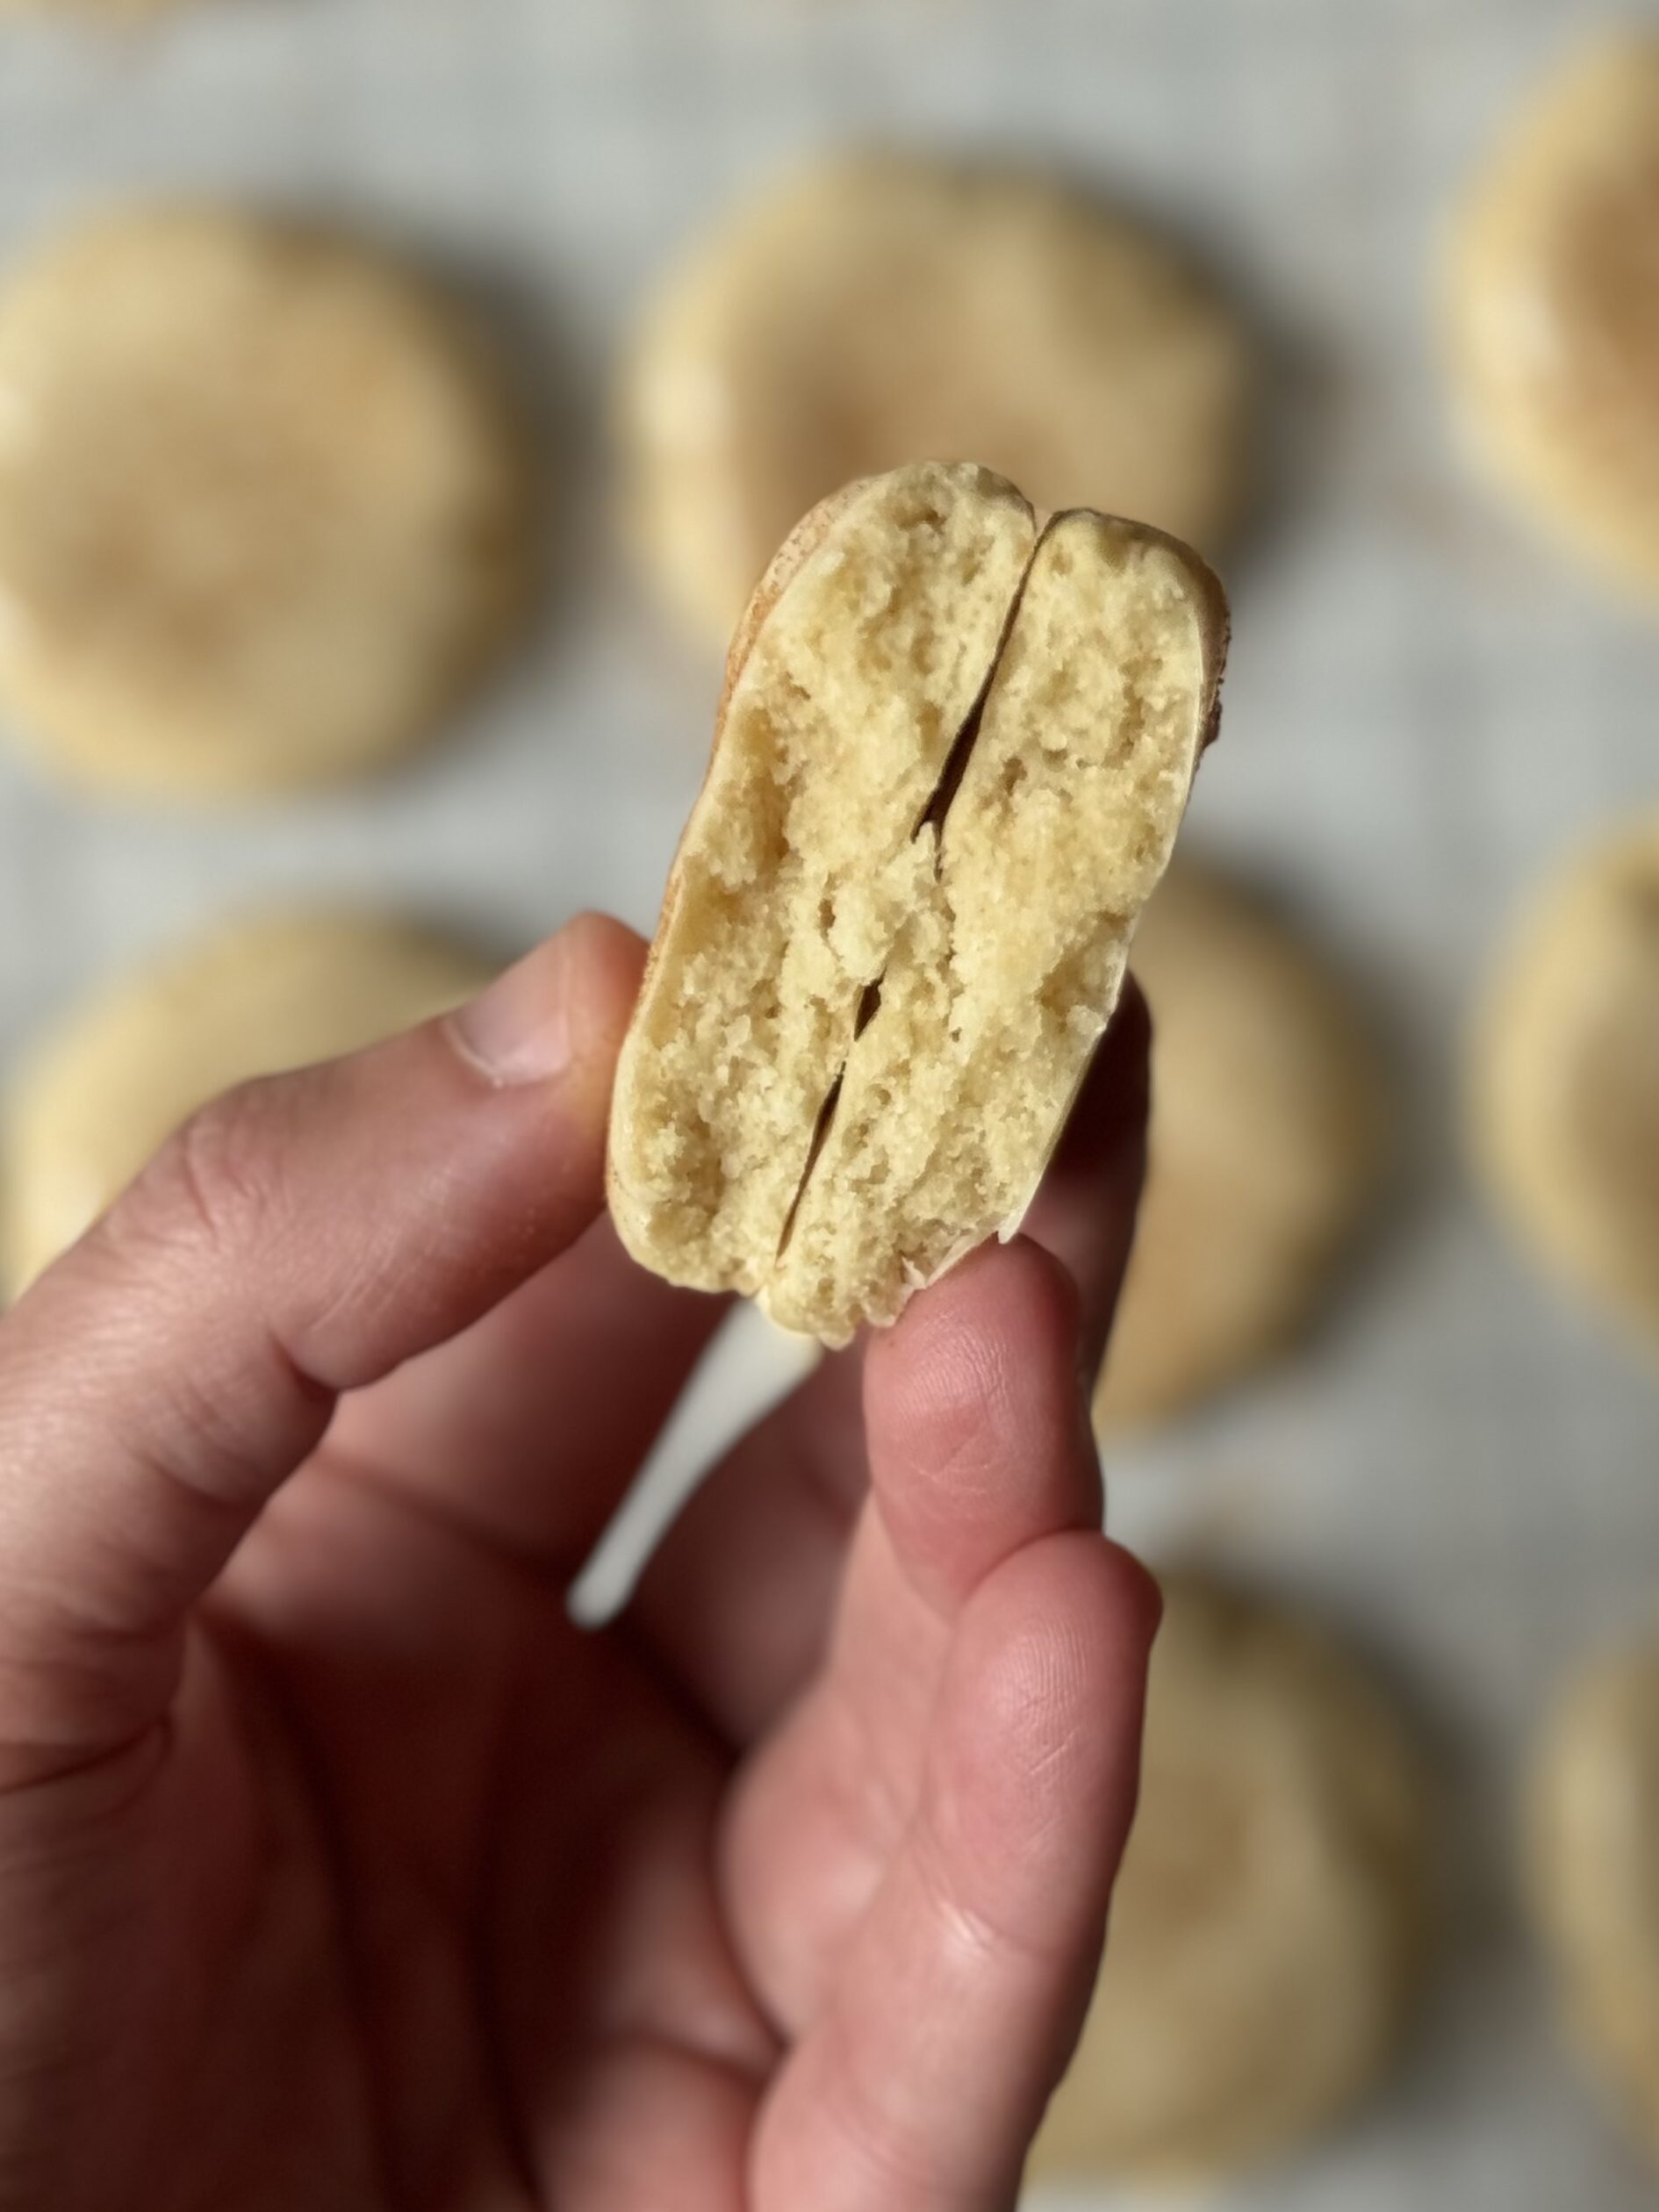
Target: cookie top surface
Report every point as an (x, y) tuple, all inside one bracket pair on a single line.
[(880, 308), (1267, 1924), (1554, 305), (1268, 1124), (111, 12), (98, 1094), (1564, 1079), (1593, 1846), (263, 511)]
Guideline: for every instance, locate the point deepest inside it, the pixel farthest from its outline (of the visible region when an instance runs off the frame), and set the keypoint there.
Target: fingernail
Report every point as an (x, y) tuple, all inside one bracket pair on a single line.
[(519, 1030)]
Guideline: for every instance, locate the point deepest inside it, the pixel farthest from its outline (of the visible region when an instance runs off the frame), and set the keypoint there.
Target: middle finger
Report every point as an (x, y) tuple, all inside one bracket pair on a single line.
[(737, 1599)]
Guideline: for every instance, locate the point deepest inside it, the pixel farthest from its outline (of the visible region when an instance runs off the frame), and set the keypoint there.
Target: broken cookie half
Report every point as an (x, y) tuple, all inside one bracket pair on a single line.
[(954, 752)]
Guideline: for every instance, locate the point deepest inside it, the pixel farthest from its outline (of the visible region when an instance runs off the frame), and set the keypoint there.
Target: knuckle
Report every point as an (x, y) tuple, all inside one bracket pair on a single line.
[(211, 1188)]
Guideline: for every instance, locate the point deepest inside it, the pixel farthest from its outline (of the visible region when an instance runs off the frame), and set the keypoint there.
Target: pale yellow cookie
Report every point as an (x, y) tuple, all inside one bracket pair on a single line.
[(1593, 1850), (262, 508), (952, 759), (86, 1108), (1564, 1079), (1554, 306), (1267, 1129), (1265, 1932), (106, 11), (879, 309)]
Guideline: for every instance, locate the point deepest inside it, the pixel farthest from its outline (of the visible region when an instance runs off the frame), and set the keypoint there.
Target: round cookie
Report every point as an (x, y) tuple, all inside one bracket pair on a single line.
[(1266, 1140), (96, 1096), (107, 12), (879, 309), (1592, 1845), (262, 506), (1554, 306), (1267, 1926), (1564, 1079)]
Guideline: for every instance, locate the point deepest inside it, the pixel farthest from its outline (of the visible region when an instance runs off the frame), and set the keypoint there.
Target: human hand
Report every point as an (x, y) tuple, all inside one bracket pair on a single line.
[(339, 1868)]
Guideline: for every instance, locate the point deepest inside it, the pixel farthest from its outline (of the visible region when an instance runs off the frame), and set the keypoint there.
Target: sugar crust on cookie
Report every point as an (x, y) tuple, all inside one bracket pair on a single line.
[(263, 506), (1553, 307), (880, 306), (1563, 1079), (1267, 1135), (101, 1088), (1267, 1925), (1591, 1840)]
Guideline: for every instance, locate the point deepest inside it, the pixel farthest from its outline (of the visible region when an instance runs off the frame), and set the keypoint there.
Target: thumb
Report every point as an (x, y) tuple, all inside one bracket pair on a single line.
[(298, 1238)]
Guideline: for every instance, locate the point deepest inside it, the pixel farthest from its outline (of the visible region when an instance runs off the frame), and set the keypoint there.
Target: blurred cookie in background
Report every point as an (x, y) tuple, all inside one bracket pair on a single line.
[(879, 309), (98, 12), (1268, 1130), (1554, 306), (265, 512), (85, 1109), (1563, 1079), (1592, 1847), (1267, 1927)]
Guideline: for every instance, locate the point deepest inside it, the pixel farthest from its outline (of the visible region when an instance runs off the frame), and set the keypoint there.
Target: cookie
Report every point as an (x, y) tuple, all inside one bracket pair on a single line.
[(263, 512), (95, 1097), (1554, 306), (1267, 1928), (1563, 1079), (100, 12), (1267, 1137), (877, 309), (952, 756), (1593, 1842)]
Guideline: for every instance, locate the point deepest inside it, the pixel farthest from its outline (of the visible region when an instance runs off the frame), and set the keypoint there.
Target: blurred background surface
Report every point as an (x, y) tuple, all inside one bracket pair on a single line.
[(1426, 705)]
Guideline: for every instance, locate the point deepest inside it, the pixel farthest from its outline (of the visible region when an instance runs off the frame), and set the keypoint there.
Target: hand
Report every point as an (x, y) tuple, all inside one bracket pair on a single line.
[(339, 1870)]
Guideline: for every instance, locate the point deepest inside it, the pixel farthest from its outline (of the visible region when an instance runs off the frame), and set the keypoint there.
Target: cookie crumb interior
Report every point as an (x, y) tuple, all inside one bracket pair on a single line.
[(1005, 974), (800, 866), (950, 770)]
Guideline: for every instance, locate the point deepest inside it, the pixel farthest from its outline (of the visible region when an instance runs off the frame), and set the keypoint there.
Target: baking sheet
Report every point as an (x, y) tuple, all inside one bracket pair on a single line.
[(1425, 704)]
